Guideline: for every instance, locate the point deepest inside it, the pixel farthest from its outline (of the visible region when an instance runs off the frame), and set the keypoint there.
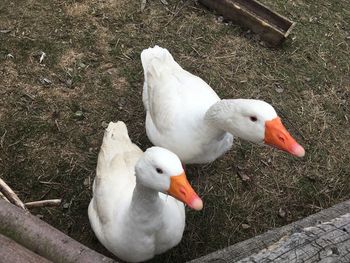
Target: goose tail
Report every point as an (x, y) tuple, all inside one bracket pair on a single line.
[(155, 60), (115, 141)]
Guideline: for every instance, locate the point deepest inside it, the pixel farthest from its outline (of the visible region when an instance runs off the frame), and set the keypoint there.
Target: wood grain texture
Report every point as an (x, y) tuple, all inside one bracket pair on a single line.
[(272, 27), (11, 252), (326, 242), (36, 235), (253, 245)]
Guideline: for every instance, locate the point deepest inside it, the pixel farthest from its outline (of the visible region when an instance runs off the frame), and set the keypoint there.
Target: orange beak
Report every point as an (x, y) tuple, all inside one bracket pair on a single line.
[(277, 136), (181, 189)]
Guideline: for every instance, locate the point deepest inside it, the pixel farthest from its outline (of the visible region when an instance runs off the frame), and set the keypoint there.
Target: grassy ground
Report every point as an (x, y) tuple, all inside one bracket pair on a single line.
[(51, 132)]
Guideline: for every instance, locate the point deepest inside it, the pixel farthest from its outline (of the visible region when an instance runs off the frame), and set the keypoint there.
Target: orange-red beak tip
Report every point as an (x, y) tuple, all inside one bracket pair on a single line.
[(181, 189), (196, 204), (277, 136), (298, 150)]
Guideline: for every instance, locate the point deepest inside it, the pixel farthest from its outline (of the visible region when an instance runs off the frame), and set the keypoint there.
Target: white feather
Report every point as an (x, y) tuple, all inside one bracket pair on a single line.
[(126, 222)]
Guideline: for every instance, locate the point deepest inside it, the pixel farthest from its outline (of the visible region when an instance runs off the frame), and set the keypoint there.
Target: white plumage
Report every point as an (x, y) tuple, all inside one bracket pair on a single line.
[(127, 213), (186, 116)]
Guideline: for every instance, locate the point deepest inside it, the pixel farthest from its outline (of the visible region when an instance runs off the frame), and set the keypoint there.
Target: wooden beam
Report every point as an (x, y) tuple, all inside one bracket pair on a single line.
[(326, 242), (36, 235), (272, 27), (12, 252), (254, 245)]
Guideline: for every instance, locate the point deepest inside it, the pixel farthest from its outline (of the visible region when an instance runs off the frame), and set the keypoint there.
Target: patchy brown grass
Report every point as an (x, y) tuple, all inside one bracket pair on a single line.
[(49, 150)]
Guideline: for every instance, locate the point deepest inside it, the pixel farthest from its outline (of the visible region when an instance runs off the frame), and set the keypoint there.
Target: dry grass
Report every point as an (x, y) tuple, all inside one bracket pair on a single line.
[(47, 150)]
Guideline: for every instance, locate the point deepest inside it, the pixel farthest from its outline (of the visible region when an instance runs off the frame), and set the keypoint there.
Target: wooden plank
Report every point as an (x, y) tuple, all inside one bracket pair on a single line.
[(253, 245), (11, 252), (272, 27), (326, 242), (36, 235)]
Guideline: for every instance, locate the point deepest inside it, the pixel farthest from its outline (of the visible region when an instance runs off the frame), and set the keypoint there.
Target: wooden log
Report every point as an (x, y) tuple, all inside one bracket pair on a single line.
[(253, 245), (11, 252), (272, 27), (45, 240), (327, 242)]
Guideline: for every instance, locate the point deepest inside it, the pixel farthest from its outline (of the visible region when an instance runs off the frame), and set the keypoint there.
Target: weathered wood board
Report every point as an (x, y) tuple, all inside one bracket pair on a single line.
[(326, 242), (257, 245), (272, 27)]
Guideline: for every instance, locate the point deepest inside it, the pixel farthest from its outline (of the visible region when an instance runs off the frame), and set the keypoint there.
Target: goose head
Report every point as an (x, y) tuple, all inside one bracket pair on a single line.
[(255, 121), (161, 170)]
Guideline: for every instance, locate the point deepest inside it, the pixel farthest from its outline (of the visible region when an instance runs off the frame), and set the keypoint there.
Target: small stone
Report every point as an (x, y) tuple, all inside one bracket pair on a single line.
[(282, 213), (81, 65), (104, 124), (66, 205), (263, 44), (245, 226), (86, 181), (112, 71), (69, 83), (307, 79), (45, 81), (279, 88), (220, 19), (243, 176), (79, 114)]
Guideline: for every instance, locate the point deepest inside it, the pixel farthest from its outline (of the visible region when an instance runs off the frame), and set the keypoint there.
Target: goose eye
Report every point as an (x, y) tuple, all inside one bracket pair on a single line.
[(253, 118), (160, 171)]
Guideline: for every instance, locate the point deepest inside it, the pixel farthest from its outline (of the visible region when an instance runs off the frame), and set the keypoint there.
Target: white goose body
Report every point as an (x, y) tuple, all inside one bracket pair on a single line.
[(186, 116), (133, 221), (176, 102)]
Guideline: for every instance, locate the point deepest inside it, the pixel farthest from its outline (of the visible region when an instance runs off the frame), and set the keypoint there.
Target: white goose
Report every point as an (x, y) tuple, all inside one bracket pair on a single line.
[(129, 213), (186, 116)]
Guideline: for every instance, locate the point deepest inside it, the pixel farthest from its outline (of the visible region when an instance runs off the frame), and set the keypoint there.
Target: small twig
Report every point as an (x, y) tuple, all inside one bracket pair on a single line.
[(175, 15), (143, 5), (11, 195), (42, 56), (4, 197), (43, 203), (57, 125), (49, 183), (2, 139)]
